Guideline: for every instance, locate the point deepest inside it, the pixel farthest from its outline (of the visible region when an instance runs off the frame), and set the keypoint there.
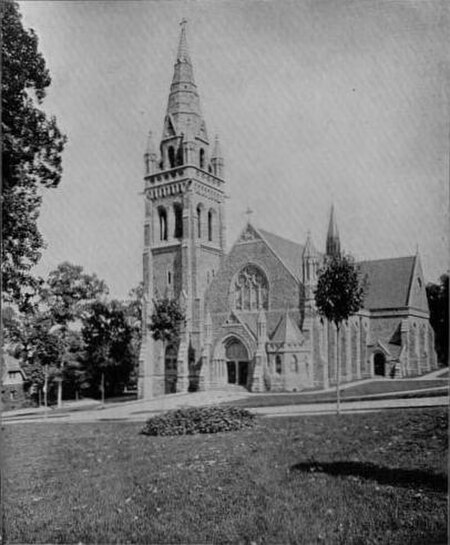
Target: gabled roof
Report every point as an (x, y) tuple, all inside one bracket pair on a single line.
[(388, 282), (286, 331), (11, 365), (290, 253)]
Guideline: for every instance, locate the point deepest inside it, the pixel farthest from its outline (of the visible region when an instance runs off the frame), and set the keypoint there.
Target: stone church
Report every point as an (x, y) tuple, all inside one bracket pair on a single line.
[(251, 319)]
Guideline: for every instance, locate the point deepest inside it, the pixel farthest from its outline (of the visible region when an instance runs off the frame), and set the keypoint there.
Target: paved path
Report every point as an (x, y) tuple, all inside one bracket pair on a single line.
[(139, 411), (351, 406), (128, 411)]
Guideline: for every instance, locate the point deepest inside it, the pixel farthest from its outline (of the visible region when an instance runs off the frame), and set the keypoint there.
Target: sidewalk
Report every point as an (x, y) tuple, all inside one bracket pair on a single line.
[(137, 410), (351, 406)]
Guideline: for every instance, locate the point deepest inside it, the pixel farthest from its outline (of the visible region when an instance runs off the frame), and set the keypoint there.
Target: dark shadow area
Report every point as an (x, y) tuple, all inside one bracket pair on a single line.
[(407, 478)]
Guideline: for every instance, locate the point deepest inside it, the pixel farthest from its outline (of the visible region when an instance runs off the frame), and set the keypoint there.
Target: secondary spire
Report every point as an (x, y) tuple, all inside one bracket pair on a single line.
[(333, 247)]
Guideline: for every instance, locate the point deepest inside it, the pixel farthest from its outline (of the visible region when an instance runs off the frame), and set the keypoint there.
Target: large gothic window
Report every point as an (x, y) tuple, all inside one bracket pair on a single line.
[(199, 221), (250, 289), (178, 213), (162, 216), (171, 152), (210, 225)]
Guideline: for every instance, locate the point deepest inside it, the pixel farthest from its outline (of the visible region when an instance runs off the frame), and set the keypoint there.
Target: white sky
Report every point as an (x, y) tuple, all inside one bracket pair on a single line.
[(315, 101)]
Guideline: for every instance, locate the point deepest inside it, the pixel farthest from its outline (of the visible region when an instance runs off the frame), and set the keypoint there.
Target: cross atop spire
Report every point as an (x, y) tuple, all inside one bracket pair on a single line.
[(248, 213)]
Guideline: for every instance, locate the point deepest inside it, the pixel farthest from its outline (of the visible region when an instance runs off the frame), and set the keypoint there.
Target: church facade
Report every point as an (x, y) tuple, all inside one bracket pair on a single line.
[(250, 314)]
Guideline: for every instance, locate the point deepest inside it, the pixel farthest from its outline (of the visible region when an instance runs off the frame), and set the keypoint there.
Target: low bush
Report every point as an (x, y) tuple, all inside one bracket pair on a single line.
[(199, 420)]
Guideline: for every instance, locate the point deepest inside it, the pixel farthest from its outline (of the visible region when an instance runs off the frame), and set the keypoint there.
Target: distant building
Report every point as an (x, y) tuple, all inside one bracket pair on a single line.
[(13, 382), (251, 316)]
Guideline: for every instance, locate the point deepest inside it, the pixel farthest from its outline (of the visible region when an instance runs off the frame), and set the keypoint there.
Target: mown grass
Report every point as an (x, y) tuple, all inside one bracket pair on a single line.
[(353, 479), (392, 390)]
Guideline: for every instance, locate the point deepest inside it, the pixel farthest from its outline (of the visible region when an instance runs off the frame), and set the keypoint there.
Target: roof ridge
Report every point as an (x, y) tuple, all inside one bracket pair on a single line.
[(387, 259), (278, 236)]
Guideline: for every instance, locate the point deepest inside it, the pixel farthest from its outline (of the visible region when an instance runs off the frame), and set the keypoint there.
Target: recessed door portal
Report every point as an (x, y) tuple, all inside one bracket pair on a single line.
[(379, 364), (237, 363)]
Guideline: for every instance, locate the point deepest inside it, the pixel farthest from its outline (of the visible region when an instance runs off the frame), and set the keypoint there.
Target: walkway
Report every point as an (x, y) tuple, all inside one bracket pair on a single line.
[(139, 411)]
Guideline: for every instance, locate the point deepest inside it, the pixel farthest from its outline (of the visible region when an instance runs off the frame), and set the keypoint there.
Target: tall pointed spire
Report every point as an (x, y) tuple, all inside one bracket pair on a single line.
[(183, 50), (309, 250), (333, 247), (183, 108)]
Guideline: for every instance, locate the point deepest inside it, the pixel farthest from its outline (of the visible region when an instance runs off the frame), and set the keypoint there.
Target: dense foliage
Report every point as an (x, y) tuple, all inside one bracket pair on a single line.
[(340, 289), (31, 151), (439, 309), (107, 335), (199, 420), (166, 320), (71, 334)]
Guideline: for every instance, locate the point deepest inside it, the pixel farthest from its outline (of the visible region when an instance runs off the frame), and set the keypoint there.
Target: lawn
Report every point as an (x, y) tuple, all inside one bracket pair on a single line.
[(391, 389), (353, 479)]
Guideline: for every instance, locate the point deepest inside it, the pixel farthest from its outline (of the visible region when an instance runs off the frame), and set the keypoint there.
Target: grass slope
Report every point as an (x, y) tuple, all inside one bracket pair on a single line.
[(390, 390), (354, 479)]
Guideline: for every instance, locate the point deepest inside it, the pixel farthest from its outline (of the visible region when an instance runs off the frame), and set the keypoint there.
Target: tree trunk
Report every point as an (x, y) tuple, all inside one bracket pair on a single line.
[(45, 387), (338, 373), (102, 388)]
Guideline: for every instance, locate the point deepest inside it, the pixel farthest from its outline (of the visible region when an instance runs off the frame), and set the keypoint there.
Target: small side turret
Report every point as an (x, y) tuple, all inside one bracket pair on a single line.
[(310, 267), (150, 157), (217, 159)]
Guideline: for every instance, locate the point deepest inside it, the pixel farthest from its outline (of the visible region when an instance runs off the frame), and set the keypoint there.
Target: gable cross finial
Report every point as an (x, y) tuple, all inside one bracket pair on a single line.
[(248, 213)]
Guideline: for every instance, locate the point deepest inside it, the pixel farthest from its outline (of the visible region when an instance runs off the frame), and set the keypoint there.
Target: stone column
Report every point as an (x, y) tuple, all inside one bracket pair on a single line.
[(183, 364)]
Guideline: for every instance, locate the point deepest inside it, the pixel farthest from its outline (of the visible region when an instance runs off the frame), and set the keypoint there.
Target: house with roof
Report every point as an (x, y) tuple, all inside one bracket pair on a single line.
[(13, 382), (251, 319)]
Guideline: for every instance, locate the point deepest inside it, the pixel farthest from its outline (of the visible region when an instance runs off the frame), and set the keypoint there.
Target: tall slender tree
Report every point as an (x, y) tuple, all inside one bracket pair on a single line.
[(339, 294), (32, 146)]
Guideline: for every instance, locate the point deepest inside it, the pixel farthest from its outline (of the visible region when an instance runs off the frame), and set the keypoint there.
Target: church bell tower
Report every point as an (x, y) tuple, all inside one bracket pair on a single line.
[(184, 226)]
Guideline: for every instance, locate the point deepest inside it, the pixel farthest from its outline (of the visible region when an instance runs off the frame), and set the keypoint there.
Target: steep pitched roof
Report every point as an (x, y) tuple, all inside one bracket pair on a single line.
[(389, 282), (290, 253), (287, 331), (11, 365)]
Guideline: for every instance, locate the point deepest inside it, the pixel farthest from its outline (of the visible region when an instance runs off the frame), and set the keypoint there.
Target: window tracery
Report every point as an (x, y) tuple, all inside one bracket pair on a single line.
[(250, 289)]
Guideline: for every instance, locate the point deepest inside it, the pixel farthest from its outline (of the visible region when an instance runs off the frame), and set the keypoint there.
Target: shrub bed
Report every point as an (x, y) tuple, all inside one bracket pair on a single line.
[(199, 420)]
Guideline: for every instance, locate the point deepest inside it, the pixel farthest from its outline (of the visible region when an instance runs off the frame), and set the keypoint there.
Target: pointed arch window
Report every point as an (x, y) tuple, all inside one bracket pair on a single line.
[(178, 213), (250, 289), (278, 365), (202, 158), (294, 364), (199, 221), (162, 216), (211, 215), (171, 153)]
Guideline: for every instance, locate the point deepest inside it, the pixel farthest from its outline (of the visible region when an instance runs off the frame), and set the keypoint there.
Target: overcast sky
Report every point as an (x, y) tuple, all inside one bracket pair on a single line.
[(315, 102)]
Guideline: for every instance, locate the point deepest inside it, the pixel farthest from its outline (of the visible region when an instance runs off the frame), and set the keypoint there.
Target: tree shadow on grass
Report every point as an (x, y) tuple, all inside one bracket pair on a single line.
[(407, 478)]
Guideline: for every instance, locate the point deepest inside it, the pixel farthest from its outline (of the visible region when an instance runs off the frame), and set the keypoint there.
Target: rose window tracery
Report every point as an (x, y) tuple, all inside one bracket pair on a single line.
[(250, 289)]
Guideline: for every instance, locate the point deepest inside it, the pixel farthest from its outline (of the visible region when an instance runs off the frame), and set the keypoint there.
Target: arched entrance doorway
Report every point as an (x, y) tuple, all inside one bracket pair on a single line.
[(379, 364), (170, 370), (236, 356)]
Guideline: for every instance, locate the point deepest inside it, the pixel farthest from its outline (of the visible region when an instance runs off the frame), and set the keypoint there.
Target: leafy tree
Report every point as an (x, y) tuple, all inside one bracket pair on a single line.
[(31, 151), (67, 296), (38, 347), (339, 294), (107, 334), (166, 320), (133, 312), (438, 301)]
